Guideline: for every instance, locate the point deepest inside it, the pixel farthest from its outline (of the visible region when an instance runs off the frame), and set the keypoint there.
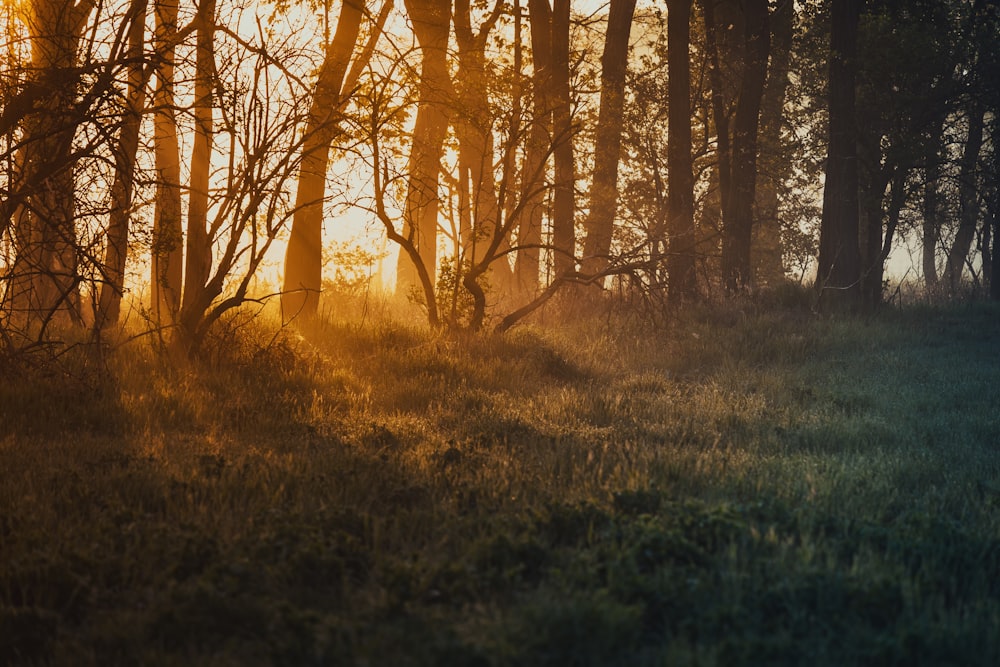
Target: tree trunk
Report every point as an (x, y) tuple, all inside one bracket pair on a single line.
[(839, 266), (45, 281), (431, 21), (303, 272), (995, 254), (875, 271), (872, 186), (995, 214), (168, 236), (532, 190), (738, 230), (607, 144), (720, 113), (116, 251), (199, 246), (774, 165), (967, 196), (680, 186), (931, 223), (474, 128), (564, 195)]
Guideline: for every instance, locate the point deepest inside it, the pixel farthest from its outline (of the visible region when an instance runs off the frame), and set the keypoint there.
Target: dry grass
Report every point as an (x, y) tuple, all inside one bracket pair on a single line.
[(755, 485)]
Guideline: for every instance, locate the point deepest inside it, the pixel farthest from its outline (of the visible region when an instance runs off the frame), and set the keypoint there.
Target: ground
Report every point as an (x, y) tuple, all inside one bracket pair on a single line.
[(742, 484)]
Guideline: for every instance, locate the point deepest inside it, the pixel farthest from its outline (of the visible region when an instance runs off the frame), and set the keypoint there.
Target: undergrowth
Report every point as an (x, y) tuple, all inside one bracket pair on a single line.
[(745, 486)]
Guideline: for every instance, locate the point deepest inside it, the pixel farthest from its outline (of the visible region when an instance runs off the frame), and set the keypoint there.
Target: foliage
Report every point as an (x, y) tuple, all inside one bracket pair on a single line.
[(755, 485)]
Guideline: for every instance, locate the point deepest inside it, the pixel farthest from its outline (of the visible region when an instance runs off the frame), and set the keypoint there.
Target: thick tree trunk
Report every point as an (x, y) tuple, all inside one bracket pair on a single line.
[(168, 236), (198, 252), (564, 195), (431, 21), (738, 230), (839, 266), (45, 280), (303, 273), (774, 165), (680, 186), (607, 144), (967, 196), (116, 251)]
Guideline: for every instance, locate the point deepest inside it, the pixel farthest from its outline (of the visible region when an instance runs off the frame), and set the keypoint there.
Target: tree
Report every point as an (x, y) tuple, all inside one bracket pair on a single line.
[(167, 252), (680, 191), (198, 251), (304, 255), (839, 267), (45, 280), (774, 162), (738, 228), (564, 186), (532, 191), (607, 143), (479, 209), (116, 249), (431, 21), (968, 195)]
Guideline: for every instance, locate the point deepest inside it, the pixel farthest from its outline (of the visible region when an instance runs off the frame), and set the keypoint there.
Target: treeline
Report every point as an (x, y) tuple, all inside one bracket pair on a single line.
[(506, 150)]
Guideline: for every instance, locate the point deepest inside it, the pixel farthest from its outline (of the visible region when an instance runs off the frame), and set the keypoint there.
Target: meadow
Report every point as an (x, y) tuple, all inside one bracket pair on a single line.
[(743, 485)]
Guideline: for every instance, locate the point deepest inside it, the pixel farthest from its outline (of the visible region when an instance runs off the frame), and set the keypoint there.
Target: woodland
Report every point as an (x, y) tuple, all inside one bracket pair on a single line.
[(460, 332)]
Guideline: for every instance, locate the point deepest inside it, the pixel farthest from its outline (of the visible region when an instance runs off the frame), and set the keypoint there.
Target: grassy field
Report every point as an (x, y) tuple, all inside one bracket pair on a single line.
[(750, 486)]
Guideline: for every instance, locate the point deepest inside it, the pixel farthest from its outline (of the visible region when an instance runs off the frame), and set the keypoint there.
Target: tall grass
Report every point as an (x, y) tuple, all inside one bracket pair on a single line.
[(750, 485)]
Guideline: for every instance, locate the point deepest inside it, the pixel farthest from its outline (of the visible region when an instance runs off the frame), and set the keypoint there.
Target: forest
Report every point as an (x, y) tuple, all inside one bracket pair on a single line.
[(454, 332)]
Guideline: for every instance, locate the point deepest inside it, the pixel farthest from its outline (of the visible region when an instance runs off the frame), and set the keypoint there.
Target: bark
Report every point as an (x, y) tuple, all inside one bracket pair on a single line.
[(198, 251), (737, 231), (995, 215), (168, 236), (564, 187), (881, 246), (680, 187), (774, 166), (720, 112), (45, 280), (839, 266), (995, 253), (478, 204), (607, 142), (303, 272), (931, 223), (431, 21), (986, 251), (967, 196), (116, 251), (532, 191), (872, 186)]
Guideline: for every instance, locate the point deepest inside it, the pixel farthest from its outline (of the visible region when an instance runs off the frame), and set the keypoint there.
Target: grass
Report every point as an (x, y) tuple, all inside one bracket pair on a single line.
[(748, 487)]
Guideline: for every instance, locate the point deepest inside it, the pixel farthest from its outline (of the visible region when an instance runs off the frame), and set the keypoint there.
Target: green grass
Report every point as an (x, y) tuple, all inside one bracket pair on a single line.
[(755, 486)]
